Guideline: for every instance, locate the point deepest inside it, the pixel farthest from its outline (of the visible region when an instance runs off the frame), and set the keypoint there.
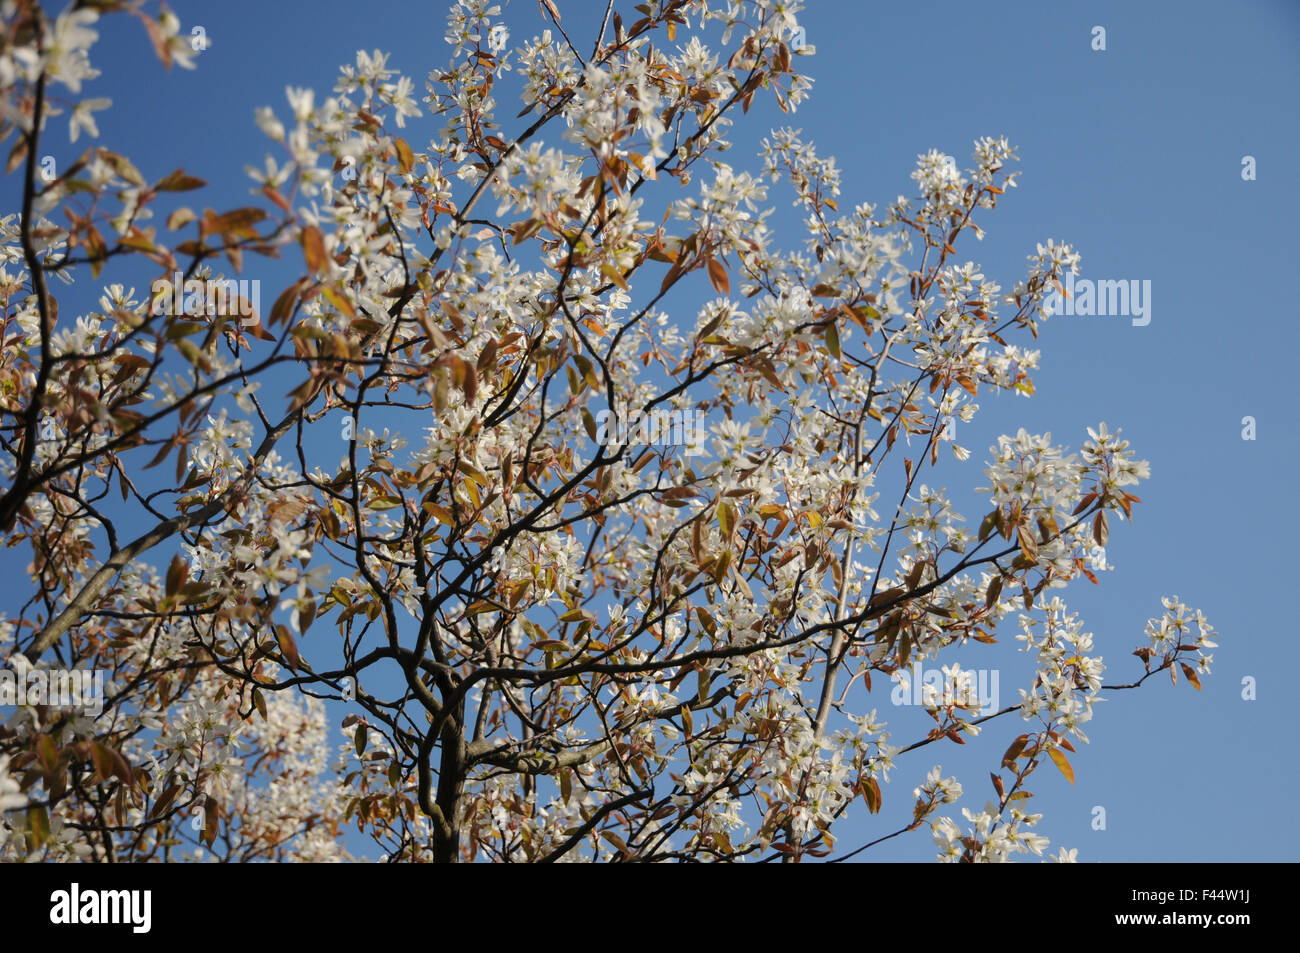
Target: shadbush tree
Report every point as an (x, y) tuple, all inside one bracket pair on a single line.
[(450, 479)]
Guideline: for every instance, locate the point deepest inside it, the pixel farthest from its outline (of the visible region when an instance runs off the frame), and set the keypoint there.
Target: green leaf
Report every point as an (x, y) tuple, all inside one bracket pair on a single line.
[(405, 158), (833, 341), (38, 825), (614, 275), (726, 519)]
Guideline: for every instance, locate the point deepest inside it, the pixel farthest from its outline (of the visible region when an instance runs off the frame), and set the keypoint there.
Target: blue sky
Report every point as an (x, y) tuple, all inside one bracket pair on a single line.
[(1133, 155)]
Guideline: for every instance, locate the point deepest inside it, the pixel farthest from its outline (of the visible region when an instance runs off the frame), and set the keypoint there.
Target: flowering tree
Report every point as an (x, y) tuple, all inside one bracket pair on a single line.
[(542, 643)]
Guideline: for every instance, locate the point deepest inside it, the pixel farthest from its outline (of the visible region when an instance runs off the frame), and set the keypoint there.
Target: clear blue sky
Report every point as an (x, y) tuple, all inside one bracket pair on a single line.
[(1134, 156)]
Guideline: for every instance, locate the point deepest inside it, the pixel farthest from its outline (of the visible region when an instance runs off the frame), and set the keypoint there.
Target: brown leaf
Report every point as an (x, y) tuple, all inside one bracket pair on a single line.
[(240, 221), (1028, 545), (288, 646), (180, 218), (871, 792), (211, 815), (16, 155), (284, 305), (275, 196), (1100, 528), (158, 39), (887, 596), (163, 802), (177, 573), (178, 181), (994, 590), (1017, 746), (313, 249), (670, 278), (718, 277)]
